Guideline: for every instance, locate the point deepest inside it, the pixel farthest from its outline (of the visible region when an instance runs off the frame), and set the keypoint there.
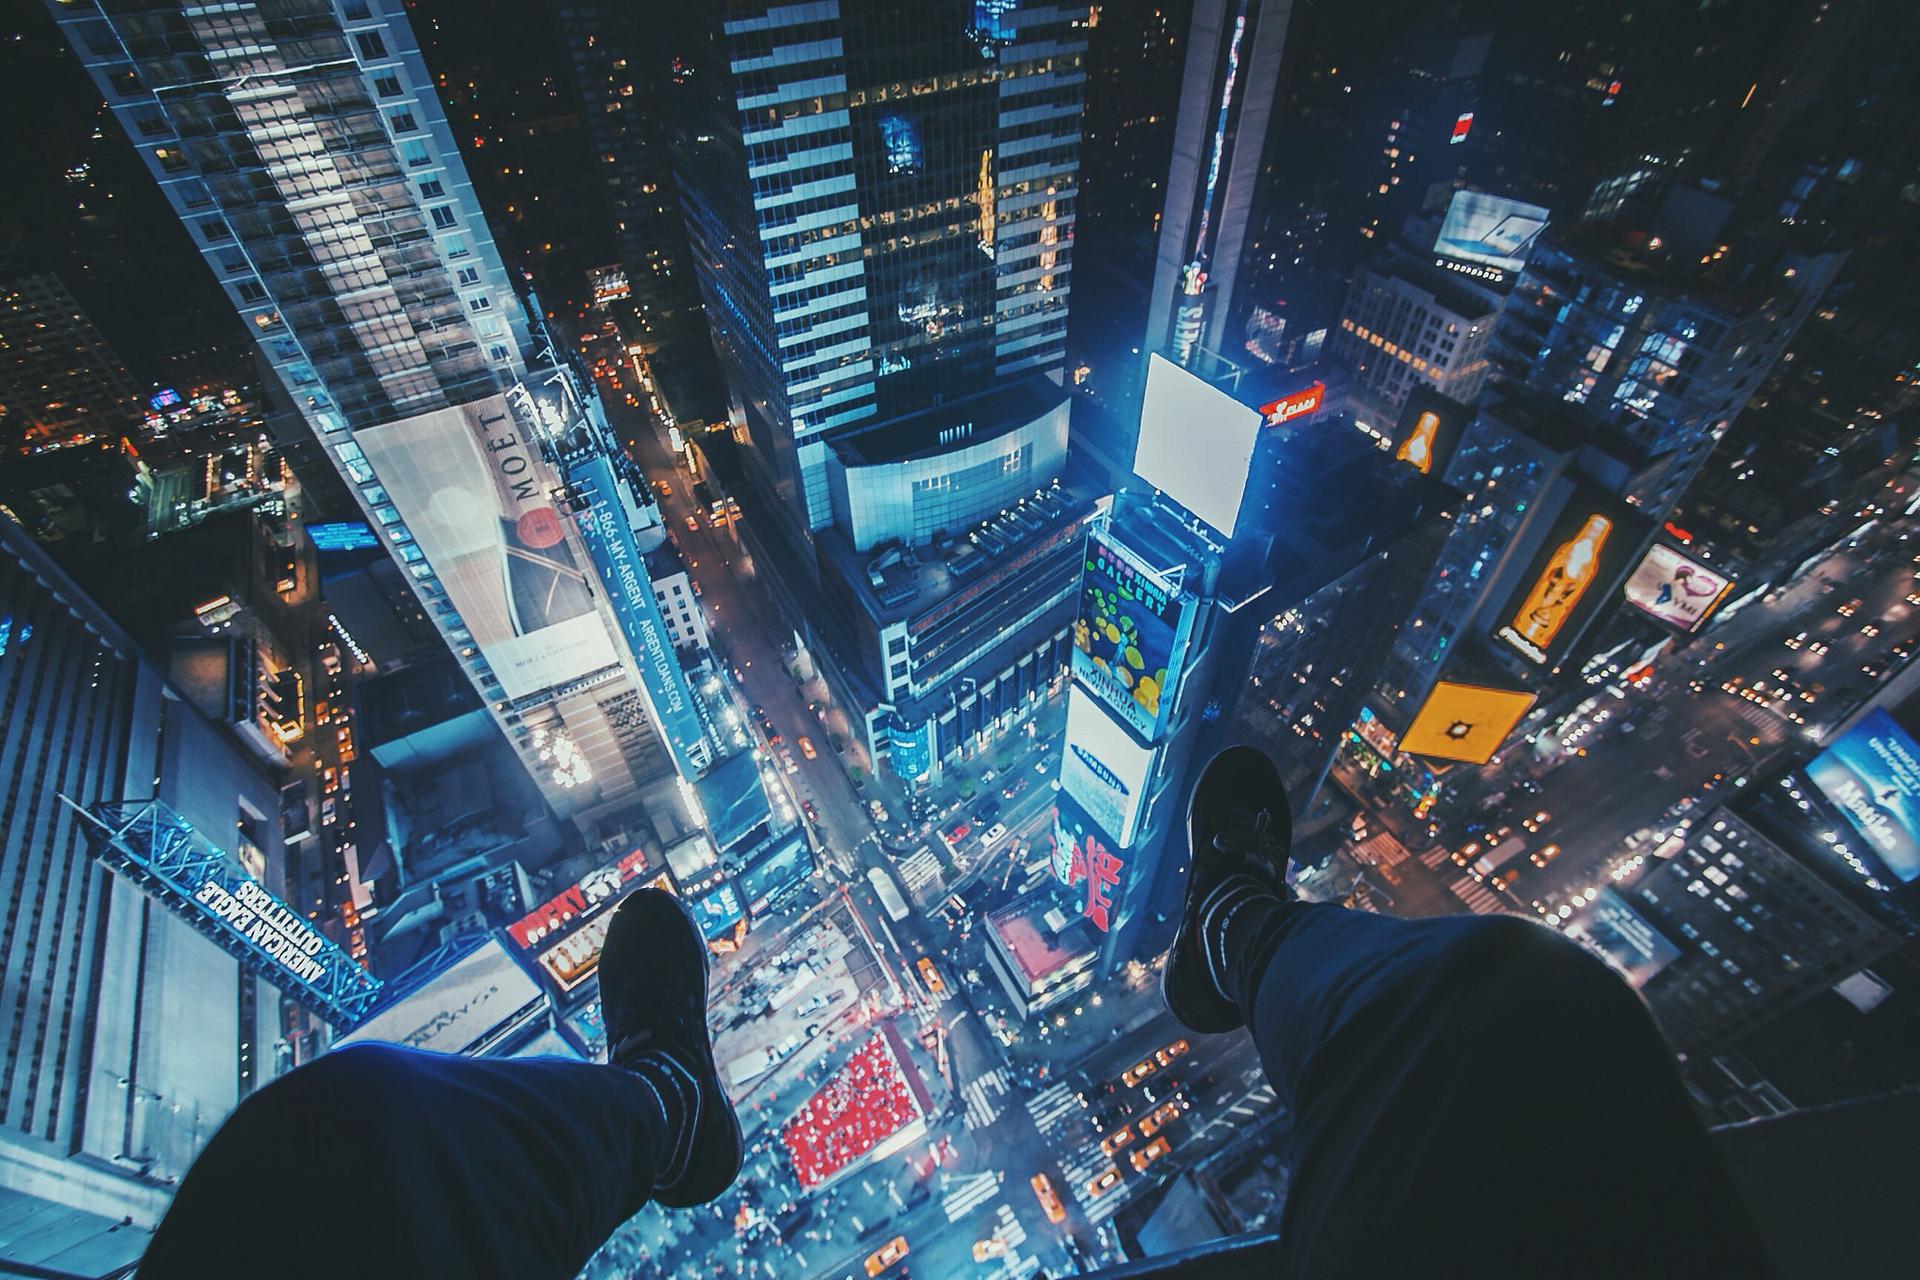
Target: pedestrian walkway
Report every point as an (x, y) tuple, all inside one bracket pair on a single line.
[(1433, 857), (920, 869), (1053, 1107), (1479, 899), (1380, 851), (982, 1095), (967, 1194)]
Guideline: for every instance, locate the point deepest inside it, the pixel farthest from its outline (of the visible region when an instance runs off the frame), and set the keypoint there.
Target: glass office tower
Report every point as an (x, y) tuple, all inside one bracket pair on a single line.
[(880, 200), (303, 145)]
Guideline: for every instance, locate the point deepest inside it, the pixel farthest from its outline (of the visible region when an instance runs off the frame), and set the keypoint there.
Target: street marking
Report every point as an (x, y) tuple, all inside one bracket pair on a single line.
[(982, 1110), (973, 1192), (919, 870), (1050, 1108), (1478, 897)]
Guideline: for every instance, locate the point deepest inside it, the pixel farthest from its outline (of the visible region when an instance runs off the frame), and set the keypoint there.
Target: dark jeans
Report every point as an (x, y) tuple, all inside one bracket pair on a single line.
[(378, 1161), (1475, 1096), (1470, 1096)]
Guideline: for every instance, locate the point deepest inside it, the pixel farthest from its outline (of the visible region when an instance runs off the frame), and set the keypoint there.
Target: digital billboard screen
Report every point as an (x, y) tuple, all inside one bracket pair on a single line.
[(1676, 590), (342, 535), (477, 995), (477, 500), (1084, 855), (1490, 230), (586, 896), (1627, 939), (1465, 722), (1196, 443), (1871, 774), (1104, 768), (1585, 553), (1429, 431), (1131, 635)]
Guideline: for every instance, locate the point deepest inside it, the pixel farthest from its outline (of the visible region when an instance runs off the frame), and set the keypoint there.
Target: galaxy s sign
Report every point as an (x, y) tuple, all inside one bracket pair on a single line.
[(1104, 768)]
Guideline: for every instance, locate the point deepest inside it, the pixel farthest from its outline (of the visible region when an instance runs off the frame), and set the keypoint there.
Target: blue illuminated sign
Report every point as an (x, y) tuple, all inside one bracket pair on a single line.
[(347, 535), (164, 398), (1871, 774), (912, 750), (609, 540), (902, 143)]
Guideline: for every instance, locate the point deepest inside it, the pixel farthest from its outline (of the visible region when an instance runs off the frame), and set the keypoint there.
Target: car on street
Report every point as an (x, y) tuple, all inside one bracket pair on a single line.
[(1161, 1116), (693, 523), (806, 748), (1049, 1199), (1166, 1056), (1544, 854), (1096, 1094), (886, 1255), (1848, 609), (1117, 1139), (1537, 821), (1104, 1181), (666, 489), (1138, 1071), (993, 834), (1013, 788), (787, 761), (988, 1249), (958, 832), (813, 814), (1111, 1116), (936, 985), (1148, 1154)]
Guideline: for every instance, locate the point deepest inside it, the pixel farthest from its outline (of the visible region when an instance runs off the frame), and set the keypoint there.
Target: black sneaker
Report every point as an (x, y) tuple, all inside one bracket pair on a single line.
[(1238, 823), (653, 996)]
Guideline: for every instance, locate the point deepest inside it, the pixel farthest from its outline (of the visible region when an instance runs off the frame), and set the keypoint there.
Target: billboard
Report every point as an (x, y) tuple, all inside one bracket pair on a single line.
[(1624, 937), (1196, 443), (789, 863), (1082, 853), (1465, 722), (342, 535), (607, 532), (1104, 768), (1490, 230), (1429, 430), (585, 897), (459, 1009), (1584, 553), (477, 499), (1296, 404), (1871, 774), (1131, 635), (1676, 590)]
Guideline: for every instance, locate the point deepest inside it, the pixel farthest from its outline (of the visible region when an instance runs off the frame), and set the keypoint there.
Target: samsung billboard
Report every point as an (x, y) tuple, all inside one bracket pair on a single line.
[(1104, 768), (1131, 635), (477, 501)]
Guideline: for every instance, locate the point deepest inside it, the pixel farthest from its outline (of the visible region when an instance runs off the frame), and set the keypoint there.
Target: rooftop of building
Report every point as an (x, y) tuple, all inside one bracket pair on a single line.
[(969, 420), (1449, 291), (896, 583), (733, 799), (1040, 936)]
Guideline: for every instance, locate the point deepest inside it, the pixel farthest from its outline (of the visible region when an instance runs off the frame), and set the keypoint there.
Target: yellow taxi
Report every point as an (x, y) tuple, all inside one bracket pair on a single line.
[(1049, 1199), (1149, 1153), (886, 1255)]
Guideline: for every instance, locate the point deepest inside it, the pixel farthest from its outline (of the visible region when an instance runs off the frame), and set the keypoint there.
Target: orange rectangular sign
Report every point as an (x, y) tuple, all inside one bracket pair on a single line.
[(1465, 722)]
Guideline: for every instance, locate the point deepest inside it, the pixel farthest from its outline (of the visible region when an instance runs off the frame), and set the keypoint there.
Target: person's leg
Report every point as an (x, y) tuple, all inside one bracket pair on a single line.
[(1468, 1095), (422, 1164), (1490, 1093), (426, 1164)]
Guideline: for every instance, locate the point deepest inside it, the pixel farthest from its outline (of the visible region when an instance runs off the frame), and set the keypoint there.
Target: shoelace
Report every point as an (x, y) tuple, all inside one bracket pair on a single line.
[(1254, 836)]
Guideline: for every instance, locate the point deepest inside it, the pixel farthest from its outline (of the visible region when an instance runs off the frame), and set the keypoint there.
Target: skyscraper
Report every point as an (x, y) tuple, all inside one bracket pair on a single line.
[(60, 382), (880, 199), (1245, 587), (127, 1034), (308, 152)]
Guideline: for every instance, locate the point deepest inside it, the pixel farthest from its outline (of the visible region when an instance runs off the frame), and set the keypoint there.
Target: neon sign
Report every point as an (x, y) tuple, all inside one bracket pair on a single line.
[(1298, 404)]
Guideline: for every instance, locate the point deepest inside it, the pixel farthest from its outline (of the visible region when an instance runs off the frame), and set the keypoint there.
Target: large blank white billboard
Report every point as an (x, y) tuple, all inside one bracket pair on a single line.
[(1196, 443), (477, 499), (1104, 768)]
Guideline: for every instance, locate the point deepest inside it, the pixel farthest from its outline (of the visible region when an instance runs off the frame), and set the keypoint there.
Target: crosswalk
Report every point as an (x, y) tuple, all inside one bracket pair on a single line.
[(982, 1095), (1008, 1228), (1053, 1107), (1381, 850), (1433, 857), (969, 1193), (920, 869), (1479, 899)]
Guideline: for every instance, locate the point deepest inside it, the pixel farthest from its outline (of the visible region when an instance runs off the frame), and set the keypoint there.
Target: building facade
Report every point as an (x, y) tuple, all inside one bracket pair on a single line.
[(128, 1034), (60, 382), (880, 200), (306, 150)]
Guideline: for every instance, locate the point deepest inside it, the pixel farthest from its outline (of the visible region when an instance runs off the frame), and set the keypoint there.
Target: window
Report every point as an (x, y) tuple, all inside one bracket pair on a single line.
[(370, 44), (432, 188), (479, 302), (443, 216), (250, 291), (387, 86), (468, 275), (402, 120), (415, 154), (497, 353), (455, 247)]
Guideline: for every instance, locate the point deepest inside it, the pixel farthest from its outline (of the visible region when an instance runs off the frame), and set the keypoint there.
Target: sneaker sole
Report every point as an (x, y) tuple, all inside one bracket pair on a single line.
[(1202, 1010)]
